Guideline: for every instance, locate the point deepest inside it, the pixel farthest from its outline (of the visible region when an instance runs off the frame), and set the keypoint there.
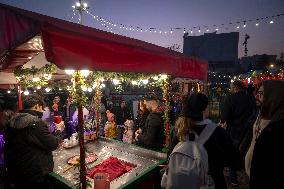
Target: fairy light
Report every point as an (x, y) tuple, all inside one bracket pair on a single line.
[(152, 30)]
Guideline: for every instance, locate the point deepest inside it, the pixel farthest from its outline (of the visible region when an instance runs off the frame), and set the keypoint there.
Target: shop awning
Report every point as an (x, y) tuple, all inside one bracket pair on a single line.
[(73, 46)]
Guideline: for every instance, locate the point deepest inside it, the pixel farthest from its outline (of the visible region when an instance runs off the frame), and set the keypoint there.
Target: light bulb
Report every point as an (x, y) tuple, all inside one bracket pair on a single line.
[(84, 88), (156, 78), (78, 4), (256, 24), (145, 81), (35, 79), (164, 76), (271, 22), (84, 73), (115, 81), (69, 72), (8, 91), (134, 82), (238, 27), (47, 89), (90, 89), (26, 92), (38, 87), (94, 85), (85, 5)]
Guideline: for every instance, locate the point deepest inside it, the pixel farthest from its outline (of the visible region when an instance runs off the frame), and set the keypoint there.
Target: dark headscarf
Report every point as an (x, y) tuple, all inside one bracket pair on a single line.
[(273, 100)]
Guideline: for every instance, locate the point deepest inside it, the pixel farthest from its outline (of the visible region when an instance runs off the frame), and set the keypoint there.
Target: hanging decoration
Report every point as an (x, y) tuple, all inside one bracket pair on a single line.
[(34, 77)]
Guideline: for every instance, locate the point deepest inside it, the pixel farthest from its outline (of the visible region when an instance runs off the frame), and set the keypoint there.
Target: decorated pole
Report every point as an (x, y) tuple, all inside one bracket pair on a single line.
[(20, 102), (98, 96), (80, 99), (82, 147), (166, 97)]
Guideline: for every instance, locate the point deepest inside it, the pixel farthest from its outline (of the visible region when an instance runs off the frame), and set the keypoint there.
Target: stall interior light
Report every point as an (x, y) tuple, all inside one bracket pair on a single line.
[(156, 78), (47, 89), (84, 88), (35, 79), (26, 92), (164, 76), (69, 72), (38, 87), (115, 81), (102, 85), (90, 89), (134, 82), (84, 73), (8, 91), (145, 81), (94, 85)]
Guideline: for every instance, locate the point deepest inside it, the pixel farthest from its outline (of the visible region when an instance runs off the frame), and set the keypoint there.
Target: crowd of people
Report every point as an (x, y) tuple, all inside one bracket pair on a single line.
[(248, 137)]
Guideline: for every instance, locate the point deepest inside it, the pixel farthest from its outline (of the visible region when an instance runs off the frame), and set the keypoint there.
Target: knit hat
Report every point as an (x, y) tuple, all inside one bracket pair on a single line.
[(195, 105)]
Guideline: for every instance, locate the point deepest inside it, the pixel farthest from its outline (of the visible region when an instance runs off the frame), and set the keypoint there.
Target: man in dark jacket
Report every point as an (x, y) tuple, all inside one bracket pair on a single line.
[(29, 146), (268, 154), (121, 115), (68, 110), (220, 149), (237, 116), (152, 135)]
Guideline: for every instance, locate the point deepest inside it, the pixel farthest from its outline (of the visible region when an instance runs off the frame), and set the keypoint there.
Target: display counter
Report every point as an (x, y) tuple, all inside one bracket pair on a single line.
[(146, 163)]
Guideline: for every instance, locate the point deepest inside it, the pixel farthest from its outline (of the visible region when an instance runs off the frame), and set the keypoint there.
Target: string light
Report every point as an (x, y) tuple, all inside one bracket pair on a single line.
[(154, 29)]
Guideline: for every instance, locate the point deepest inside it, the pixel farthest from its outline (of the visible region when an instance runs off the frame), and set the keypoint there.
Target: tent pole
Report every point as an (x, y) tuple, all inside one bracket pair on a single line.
[(20, 103)]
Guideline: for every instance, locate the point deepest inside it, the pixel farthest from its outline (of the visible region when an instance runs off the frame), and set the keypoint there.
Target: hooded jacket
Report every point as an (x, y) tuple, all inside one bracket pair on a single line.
[(28, 149), (268, 151)]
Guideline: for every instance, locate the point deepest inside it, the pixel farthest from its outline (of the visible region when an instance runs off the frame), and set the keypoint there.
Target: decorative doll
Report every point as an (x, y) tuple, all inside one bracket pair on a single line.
[(110, 127), (128, 132)]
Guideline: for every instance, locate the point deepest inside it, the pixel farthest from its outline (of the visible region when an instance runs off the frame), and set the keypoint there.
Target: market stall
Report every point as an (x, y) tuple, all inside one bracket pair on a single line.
[(144, 162), (75, 47)]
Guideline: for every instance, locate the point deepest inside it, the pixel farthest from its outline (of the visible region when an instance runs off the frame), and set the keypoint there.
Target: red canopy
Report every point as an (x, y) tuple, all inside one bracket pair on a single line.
[(73, 46)]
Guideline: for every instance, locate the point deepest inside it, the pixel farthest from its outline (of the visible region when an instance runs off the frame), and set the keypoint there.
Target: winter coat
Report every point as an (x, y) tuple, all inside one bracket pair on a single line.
[(28, 149), (121, 115), (267, 160), (239, 112), (221, 153), (153, 132)]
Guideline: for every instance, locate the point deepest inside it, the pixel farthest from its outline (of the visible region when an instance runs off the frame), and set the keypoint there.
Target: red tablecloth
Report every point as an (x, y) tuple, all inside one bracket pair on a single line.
[(113, 166)]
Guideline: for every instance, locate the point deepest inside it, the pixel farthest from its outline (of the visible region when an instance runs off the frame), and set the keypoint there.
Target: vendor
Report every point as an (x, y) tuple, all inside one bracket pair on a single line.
[(29, 146), (152, 134)]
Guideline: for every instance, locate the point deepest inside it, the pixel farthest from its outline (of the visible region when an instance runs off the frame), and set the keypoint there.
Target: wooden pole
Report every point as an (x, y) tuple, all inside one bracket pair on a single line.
[(82, 147), (20, 102)]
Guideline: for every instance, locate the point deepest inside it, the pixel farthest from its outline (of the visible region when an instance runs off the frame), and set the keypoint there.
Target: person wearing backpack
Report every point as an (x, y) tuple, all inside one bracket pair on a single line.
[(219, 147)]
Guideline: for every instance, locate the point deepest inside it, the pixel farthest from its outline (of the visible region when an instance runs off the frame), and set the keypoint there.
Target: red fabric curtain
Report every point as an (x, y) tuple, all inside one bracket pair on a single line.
[(73, 46), (85, 48)]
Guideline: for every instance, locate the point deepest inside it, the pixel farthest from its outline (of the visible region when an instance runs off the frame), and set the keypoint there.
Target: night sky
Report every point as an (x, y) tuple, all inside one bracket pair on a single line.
[(165, 14)]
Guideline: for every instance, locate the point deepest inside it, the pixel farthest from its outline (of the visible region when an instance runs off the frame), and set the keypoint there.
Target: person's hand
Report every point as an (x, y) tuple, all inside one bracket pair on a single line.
[(60, 127), (223, 125)]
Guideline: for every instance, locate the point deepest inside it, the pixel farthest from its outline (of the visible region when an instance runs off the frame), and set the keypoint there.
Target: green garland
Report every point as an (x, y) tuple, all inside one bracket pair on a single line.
[(23, 75), (77, 92)]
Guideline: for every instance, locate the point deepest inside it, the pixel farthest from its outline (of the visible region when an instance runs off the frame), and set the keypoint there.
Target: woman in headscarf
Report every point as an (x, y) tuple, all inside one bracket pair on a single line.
[(268, 140)]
